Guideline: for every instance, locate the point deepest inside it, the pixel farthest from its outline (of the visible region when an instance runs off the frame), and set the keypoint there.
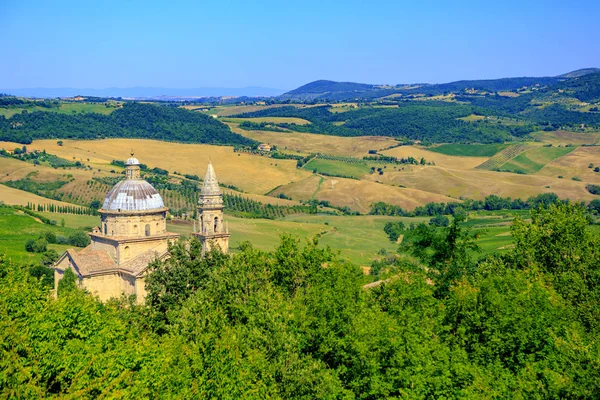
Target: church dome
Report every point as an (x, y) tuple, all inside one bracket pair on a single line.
[(133, 195), (132, 161)]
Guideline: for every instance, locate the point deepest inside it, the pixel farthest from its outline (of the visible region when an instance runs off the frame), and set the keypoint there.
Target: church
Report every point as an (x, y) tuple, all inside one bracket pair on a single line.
[(133, 233)]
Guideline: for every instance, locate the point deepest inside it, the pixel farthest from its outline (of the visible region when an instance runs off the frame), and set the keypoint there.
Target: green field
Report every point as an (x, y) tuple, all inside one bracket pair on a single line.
[(534, 160), (17, 227), (337, 168), (65, 108), (469, 150), (73, 221)]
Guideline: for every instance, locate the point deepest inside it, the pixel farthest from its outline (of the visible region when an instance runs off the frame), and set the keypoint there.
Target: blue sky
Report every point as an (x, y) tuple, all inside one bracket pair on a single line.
[(284, 44)]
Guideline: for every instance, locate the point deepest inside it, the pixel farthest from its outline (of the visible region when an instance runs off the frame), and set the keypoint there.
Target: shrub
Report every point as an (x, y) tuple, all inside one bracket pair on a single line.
[(79, 239)]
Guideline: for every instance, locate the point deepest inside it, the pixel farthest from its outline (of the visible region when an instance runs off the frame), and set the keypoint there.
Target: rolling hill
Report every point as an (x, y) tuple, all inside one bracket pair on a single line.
[(340, 91)]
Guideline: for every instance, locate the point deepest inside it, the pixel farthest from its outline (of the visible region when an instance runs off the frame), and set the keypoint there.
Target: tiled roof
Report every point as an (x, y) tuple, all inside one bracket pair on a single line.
[(140, 263), (89, 261)]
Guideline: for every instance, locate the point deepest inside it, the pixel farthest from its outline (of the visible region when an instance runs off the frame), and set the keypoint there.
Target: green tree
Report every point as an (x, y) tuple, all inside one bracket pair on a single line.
[(558, 242), (446, 251), (68, 283), (79, 239)]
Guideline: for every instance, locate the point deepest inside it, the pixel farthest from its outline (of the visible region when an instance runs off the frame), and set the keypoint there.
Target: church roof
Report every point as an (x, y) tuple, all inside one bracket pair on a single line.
[(132, 161), (132, 195), (211, 185), (88, 261)]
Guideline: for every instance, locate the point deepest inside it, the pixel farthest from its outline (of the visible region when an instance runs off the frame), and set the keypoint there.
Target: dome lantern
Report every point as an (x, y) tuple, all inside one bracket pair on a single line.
[(132, 168)]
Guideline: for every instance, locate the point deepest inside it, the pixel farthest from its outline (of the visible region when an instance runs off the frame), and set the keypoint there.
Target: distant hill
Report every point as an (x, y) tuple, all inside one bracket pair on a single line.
[(579, 72), (146, 92), (341, 91)]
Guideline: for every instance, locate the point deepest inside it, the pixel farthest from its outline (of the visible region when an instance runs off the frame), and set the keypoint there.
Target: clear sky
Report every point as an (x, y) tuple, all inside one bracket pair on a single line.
[(284, 44)]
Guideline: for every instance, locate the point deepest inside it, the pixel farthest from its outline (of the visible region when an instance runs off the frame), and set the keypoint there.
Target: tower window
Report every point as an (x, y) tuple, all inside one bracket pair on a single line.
[(216, 224), (147, 229)]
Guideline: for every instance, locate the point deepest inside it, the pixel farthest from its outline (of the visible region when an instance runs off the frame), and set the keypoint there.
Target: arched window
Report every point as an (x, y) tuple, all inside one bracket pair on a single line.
[(147, 229), (126, 252), (135, 229), (216, 224)]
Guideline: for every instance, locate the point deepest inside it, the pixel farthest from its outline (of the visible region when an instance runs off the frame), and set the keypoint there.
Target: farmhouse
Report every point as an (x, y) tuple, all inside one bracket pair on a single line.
[(133, 233), (264, 147)]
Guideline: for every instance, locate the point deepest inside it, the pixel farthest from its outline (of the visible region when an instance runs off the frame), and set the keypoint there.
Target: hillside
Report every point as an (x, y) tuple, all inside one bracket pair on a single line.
[(133, 120), (347, 91), (323, 88), (579, 72)]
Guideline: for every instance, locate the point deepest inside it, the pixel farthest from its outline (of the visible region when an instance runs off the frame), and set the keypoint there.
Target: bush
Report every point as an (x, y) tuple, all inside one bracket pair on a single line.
[(593, 189), (36, 246), (79, 239), (50, 237), (439, 220)]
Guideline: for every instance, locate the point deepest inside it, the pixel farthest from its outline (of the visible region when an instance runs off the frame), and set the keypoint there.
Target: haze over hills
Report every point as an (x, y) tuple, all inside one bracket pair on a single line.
[(146, 92), (316, 90)]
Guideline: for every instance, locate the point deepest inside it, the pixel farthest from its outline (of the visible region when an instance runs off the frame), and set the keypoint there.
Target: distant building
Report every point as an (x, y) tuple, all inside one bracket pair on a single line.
[(264, 147), (133, 233)]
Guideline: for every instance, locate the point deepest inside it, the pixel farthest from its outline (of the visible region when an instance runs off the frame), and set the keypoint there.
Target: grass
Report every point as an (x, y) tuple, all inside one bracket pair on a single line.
[(65, 108), (17, 227), (99, 108), (251, 173), (357, 238), (357, 194), (18, 197), (535, 159), (73, 221), (274, 120), (440, 160), (331, 167), (565, 137), (307, 143), (469, 150)]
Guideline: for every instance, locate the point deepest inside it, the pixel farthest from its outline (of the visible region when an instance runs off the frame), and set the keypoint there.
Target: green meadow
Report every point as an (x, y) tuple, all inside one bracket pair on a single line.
[(17, 227), (339, 168), (469, 150), (535, 159)]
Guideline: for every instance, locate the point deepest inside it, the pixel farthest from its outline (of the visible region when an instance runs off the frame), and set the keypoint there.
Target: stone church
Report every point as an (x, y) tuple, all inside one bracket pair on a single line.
[(133, 233)]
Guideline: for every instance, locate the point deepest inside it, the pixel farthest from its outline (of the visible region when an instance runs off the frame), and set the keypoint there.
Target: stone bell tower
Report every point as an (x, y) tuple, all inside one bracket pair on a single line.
[(212, 230)]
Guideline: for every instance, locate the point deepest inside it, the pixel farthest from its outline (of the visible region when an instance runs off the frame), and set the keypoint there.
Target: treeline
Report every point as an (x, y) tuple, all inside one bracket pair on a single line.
[(430, 121), (14, 102), (247, 208), (133, 120), (490, 203), (297, 323), (55, 208), (260, 126)]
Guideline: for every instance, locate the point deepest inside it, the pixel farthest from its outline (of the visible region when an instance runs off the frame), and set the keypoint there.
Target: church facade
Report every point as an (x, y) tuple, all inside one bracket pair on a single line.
[(133, 233)]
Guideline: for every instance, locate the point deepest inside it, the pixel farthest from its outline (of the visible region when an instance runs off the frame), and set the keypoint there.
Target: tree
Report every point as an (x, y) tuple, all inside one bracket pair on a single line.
[(68, 283), (558, 242), (79, 239), (49, 257), (439, 220), (95, 204), (446, 251)]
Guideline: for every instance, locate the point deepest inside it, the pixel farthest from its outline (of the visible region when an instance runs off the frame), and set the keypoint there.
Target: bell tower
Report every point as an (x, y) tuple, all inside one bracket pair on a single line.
[(212, 230)]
